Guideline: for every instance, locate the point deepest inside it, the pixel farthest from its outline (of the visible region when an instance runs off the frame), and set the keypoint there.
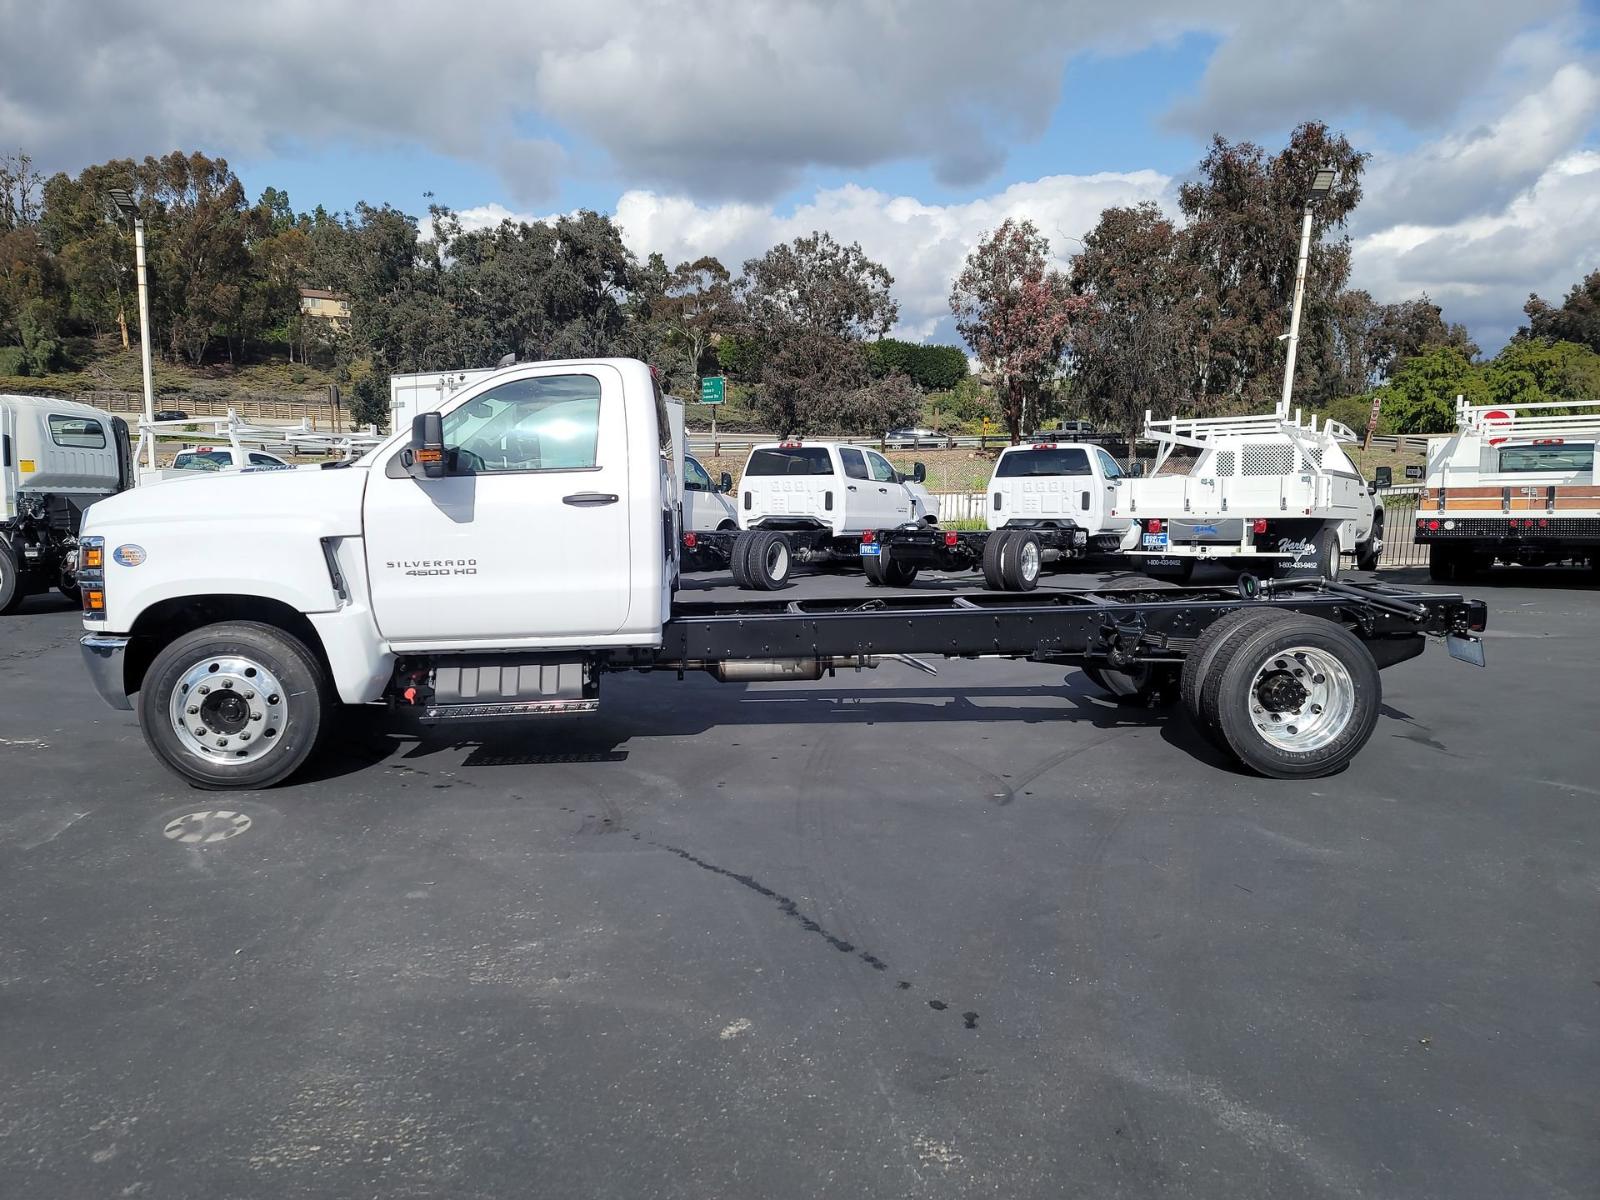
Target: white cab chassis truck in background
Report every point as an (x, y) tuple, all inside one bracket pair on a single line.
[(821, 502), (57, 457), (1514, 484), (510, 551), (1273, 495)]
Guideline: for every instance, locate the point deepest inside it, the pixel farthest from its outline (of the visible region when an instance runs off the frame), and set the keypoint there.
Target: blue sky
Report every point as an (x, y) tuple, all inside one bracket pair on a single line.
[(722, 126)]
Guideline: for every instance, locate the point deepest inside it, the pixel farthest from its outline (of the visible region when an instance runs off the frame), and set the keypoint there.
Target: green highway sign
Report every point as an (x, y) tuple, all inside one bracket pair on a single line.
[(713, 389)]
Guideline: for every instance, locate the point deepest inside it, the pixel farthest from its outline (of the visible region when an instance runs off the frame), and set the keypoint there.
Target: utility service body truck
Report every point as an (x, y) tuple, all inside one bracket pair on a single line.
[(1515, 484), (829, 502), (507, 553), (1272, 494), (57, 457)]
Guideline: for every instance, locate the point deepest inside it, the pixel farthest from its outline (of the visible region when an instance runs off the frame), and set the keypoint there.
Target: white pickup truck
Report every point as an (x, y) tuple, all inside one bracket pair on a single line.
[(1275, 495), (830, 486), (512, 549)]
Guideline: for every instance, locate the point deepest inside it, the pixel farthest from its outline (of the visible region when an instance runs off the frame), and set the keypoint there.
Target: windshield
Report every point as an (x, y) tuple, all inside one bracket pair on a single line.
[(1560, 456), (789, 460), (1023, 464)]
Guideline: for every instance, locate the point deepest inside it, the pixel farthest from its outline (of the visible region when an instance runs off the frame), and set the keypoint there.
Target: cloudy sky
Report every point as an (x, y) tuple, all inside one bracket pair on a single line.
[(910, 125)]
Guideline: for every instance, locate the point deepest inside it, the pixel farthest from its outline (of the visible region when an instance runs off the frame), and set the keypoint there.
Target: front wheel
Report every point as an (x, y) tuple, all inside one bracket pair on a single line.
[(235, 705), (11, 591)]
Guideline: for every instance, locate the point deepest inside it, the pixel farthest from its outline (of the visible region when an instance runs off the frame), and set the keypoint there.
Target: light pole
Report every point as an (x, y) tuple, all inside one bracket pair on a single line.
[(125, 205), (1321, 185)]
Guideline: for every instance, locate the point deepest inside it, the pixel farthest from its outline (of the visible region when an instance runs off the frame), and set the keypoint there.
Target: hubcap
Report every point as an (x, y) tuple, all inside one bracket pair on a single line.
[(1301, 699), (778, 560), (1029, 561), (228, 709)]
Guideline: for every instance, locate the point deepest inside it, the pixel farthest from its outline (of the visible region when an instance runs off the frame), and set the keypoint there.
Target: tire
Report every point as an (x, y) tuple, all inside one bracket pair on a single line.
[(11, 590), (872, 567), (1324, 561), (1021, 561), (896, 573), (284, 731), (767, 562), (1367, 552), (1295, 697), (1191, 679), (736, 557), (993, 550)]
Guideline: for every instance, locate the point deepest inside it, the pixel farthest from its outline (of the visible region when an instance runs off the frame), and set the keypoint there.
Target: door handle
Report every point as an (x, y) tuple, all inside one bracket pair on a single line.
[(883, 491), (589, 499), (850, 487)]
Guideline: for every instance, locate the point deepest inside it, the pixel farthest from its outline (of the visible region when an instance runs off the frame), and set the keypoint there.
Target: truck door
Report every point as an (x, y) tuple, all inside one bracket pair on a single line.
[(891, 497), (528, 538), (1108, 515)]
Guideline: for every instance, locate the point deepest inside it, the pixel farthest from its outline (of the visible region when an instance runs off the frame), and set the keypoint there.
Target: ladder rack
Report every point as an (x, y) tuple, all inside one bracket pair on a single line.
[(1560, 419)]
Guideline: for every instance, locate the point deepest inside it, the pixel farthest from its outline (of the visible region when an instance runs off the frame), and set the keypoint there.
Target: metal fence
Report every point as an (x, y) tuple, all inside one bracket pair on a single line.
[(250, 408)]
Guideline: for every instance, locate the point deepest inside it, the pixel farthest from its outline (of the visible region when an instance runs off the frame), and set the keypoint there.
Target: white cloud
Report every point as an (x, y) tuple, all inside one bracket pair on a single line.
[(713, 98), (923, 245), (1481, 268), (1481, 170)]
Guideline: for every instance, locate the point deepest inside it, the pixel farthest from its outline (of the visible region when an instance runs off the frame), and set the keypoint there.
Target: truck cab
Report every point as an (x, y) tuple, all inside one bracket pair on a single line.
[(57, 457), (1048, 485), (705, 501), (839, 488)]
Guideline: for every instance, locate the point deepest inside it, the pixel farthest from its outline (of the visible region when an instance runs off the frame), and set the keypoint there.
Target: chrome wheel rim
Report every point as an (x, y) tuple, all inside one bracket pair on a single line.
[(1301, 699), (228, 709), (777, 560), (1028, 562)]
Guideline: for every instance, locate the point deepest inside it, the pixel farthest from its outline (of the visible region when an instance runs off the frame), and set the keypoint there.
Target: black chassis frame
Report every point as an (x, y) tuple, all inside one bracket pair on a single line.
[(1120, 628)]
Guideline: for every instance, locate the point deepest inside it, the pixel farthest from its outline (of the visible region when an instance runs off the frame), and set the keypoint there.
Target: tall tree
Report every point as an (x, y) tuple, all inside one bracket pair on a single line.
[(814, 284), (1014, 311), (1242, 224), (1576, 319), (1139, 342), (695, 306)]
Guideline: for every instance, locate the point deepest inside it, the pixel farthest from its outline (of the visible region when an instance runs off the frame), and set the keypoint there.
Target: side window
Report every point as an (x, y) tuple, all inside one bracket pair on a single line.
[(1108, 465), (881, 470), (551, 423), (257, 459), (695, 478), (77, 433), (855, 466)]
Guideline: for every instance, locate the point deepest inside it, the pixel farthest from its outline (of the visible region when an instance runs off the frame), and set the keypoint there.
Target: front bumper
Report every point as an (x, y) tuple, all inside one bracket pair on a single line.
[(103, 655)]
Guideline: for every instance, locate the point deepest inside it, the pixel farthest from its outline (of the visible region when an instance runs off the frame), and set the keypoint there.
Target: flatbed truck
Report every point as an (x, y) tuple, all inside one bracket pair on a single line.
[(510, 551)]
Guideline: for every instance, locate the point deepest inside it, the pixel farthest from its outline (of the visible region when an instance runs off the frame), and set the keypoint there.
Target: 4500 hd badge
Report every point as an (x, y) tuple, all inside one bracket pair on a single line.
[(436, 566)]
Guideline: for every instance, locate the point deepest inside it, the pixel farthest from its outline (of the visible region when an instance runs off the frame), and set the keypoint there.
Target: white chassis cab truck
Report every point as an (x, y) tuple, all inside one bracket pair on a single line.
[(1273, 495), (57, 457), (831, 502), (513, 549), (1514, 484)]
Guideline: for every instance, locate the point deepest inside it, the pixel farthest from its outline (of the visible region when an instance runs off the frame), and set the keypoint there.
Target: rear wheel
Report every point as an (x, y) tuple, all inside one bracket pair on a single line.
[(1294, 697), (1441, 563), (235, 705), (736, 557), (1369, 551), (1198, 666), (767, 562), (1322, 560), (993, 549), (1021, 561)]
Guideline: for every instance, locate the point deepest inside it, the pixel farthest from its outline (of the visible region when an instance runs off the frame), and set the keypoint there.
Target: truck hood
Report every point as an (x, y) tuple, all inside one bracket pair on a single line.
[(227, 504)]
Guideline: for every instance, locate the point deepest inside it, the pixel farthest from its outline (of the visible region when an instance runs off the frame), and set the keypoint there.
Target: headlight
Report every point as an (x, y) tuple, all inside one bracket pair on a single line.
[(91, 577)]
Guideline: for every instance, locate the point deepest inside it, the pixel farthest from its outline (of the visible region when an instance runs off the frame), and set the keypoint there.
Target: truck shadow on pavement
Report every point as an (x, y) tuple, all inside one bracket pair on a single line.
[(634, 712)]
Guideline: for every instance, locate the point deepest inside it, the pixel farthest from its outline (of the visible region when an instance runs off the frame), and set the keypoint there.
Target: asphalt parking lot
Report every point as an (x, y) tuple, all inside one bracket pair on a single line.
[(983, 933)]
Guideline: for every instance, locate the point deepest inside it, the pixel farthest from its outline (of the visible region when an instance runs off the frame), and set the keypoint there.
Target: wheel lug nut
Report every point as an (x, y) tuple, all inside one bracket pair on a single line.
[(204, 688), (222, 741), (255, 716), (193, 711), (200, 731), (244, 737)]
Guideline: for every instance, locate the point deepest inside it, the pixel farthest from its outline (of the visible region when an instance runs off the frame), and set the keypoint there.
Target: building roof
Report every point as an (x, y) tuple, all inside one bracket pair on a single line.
[(320, 294)]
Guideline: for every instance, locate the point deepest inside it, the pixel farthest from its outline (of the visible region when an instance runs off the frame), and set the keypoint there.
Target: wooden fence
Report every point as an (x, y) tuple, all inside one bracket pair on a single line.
[(249, 408)]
